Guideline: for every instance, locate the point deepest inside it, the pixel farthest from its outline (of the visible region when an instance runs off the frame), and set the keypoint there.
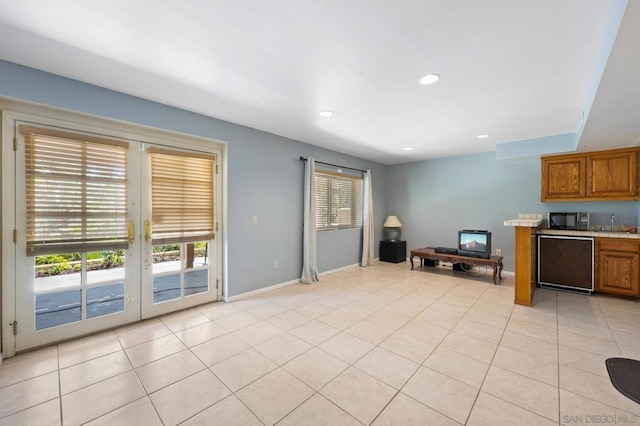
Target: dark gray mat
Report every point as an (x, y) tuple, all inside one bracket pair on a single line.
[(625, 376)]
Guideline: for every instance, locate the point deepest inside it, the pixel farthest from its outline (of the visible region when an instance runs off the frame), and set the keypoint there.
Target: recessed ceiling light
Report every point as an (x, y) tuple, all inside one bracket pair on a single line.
[(483, 136), (429, 79), (407, 148), (326, 113)]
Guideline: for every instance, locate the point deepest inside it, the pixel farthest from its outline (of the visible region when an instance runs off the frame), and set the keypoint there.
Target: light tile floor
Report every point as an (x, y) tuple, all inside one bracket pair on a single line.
[(381, 345)]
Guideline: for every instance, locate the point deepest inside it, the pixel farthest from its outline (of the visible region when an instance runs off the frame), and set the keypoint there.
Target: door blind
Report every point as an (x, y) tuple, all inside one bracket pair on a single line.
[(182, 193), (77, 198)]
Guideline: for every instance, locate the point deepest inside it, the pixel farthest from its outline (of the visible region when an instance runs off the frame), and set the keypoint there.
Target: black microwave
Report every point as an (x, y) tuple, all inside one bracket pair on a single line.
[(580, 221)]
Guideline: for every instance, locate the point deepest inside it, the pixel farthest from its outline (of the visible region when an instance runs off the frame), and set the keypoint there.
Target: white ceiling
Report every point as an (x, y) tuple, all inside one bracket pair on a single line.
[(515, 69), (614, 120)]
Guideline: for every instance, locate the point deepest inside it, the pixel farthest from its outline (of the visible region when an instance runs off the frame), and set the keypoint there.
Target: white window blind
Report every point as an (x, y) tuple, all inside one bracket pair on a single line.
[(338, 200), (77, 198), (182, 194)]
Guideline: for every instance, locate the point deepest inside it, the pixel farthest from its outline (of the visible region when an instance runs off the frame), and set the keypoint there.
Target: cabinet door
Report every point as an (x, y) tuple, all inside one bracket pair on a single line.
[(618, 272), (566, 261), (564, 178), (613, 175)]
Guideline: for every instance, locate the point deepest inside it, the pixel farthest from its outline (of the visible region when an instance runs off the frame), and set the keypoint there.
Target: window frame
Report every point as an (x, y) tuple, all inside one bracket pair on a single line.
[(356, 195)]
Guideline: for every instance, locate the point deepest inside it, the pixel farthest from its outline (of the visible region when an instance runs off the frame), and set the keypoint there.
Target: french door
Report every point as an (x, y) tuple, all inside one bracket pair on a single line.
[(178, 248), (166, 259)]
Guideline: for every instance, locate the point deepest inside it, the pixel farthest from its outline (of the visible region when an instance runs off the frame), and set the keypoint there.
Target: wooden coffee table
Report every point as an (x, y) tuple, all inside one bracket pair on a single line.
[(428, 253)]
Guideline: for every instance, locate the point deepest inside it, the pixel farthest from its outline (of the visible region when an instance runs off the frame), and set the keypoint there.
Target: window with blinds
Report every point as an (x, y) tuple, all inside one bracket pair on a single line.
[(338, 200), (182, 194), (77, 197)]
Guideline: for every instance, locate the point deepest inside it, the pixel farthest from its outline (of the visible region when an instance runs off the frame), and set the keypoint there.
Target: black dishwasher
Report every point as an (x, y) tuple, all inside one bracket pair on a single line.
[(565, 262)]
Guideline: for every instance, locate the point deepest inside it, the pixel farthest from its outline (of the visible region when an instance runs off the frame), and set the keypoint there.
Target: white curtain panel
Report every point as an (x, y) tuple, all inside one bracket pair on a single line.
[(367, 222), (309, 237)]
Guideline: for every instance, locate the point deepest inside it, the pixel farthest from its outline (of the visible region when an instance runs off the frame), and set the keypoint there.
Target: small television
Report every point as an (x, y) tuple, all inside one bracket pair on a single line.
[(474, 243)]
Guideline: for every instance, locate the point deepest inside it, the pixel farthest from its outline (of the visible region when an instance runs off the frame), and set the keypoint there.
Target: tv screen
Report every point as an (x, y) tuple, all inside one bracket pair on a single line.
[(474, 243)]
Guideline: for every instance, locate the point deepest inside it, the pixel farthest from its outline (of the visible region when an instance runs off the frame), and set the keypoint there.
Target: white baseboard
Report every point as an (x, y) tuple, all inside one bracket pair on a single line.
[(333, 271), (260, 290), (285, 284)]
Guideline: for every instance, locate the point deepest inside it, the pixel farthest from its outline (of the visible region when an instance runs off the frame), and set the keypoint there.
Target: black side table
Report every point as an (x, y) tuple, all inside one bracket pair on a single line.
[(393, 251)]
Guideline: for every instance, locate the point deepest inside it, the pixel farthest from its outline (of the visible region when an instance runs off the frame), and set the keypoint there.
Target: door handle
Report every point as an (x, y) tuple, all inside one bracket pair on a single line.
[(131, 232), (147, 230)]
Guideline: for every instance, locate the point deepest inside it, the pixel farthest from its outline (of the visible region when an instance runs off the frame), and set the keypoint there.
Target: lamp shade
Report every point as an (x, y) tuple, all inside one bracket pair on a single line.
[(392, 222)]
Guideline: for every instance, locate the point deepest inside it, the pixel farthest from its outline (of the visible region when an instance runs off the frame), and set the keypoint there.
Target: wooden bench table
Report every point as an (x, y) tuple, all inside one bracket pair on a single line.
[(428, 253)]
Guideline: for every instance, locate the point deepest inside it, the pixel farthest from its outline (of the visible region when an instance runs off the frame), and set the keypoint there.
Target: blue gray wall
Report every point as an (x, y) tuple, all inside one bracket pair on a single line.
[(264, 177), (435, 198)]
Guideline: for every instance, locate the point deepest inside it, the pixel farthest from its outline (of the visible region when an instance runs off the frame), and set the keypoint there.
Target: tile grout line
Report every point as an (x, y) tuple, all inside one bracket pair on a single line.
[(597, 301), (349, 365), (232, 393), (375, 378), (121, 349), (475, 400), (135, 371), (420, 365), (513, 372), (315, 392), (518, 374)]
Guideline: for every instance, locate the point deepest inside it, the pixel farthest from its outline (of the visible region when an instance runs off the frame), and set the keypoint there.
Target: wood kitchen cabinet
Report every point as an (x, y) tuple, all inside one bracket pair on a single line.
[(564, 178), (613, 175), (618, 266), (592, 176)]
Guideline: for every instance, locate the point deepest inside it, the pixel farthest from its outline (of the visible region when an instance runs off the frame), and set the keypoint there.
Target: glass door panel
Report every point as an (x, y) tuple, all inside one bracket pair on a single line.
[(59, 287), (66, 294), (196, 276), (166, 273), (61, 298), (180, 277), (175, 274), (179, 270)]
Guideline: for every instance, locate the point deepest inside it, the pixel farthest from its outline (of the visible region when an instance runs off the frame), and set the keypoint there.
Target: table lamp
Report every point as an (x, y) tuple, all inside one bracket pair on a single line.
[(392, 228)]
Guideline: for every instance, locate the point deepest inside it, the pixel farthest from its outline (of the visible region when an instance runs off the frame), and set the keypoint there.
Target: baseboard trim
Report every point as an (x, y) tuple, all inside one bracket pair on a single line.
[(284, 284), (260, 290), (342, 268)]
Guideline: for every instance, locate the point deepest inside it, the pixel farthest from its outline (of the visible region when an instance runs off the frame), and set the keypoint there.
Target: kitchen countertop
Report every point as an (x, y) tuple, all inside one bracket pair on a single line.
[(529, 220), (601, 234), (535, 220)]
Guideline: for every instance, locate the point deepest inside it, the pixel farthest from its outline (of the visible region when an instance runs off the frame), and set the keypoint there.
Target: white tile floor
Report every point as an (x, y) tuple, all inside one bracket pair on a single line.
[(380, 345)]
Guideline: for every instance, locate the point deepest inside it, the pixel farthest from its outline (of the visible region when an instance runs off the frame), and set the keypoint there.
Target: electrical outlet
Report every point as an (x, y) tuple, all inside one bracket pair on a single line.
[(498, 252), (255, 219), (276, 264)]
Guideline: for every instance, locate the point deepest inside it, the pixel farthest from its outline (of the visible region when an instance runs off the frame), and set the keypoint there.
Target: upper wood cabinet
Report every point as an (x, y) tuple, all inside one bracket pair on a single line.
[(564, 178), (591, 176), (613, 174)]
